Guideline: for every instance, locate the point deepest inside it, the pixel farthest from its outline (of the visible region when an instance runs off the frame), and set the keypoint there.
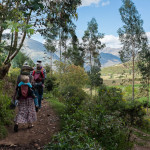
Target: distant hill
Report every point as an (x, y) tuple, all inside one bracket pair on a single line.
[(36, 50), (108, 59)]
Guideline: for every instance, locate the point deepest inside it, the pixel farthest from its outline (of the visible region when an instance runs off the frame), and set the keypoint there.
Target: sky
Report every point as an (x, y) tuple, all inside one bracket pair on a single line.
[(106, 13)]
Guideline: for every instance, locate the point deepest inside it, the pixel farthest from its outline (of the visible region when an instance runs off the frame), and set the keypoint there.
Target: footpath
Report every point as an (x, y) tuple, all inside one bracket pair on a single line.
[(34, 138)]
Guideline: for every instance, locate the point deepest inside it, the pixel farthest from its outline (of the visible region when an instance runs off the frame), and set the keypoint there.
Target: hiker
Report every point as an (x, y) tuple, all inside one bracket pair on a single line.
[(27, 88), (44, 72), (26, 70), (39, 77), (26, 108)]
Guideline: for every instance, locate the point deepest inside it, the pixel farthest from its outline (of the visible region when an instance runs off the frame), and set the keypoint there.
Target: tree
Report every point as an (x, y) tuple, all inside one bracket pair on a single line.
[(22, 17), (19, 60), (131, 35), (92, 44), (144, 67), (75, 53)]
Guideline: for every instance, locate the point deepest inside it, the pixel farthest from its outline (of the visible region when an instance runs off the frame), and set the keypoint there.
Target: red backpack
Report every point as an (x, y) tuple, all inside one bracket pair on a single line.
[(38, 75)]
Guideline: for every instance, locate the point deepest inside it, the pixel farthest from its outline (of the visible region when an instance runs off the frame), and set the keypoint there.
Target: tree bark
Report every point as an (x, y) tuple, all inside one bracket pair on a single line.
[(4, 70), (91, 72), (133, 55)]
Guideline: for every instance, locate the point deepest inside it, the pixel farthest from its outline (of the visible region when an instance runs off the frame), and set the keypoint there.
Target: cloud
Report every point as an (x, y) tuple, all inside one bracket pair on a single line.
[(111, 41), (105, 3), (148, 36), (90, 2), (6, 31)]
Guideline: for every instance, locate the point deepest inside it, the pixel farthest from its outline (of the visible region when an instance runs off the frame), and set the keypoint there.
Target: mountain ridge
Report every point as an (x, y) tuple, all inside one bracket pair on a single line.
[(36, 50)]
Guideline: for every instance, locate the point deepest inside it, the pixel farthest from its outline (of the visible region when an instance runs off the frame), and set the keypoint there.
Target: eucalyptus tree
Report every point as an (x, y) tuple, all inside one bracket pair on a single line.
[(131, 35), (75, 52), (92, 44), (23, 17), (144, 67)]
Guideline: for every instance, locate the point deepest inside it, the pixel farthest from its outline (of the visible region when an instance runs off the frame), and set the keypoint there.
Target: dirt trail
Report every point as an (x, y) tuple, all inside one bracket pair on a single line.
[(35, 138)]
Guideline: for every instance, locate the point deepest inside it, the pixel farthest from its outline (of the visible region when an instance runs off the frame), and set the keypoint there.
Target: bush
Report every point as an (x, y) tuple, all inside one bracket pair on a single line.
[(71, 140), (73, 97), (13, 74), (50, 83), (110, 98), (6, 114)]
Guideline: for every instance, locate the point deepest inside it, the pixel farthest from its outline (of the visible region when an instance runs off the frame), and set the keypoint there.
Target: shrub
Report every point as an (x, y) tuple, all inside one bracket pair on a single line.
[(73, 97), (50, 82), (70, 75), (13, 74), (6, 114), (110, 98)]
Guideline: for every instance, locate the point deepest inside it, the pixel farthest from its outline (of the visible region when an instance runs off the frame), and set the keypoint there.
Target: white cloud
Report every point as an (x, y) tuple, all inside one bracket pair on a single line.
[(148, 36), (6, 31), (111, 41), (105, 3), (90, 2)]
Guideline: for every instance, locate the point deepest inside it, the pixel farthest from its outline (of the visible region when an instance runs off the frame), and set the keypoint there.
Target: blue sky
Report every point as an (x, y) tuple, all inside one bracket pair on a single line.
[(106, 13)]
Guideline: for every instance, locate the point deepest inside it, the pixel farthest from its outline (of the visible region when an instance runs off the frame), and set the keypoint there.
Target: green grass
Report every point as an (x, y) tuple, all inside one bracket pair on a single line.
[(58, 106)]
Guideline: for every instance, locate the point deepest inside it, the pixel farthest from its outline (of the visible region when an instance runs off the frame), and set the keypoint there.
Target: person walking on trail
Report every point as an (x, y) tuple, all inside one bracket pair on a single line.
[(26, 108), (44, 72), (39, 77)]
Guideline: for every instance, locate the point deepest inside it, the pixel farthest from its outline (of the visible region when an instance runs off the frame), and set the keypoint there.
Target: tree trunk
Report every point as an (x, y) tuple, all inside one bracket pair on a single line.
[(133, 55), (4, 70), (91, 72), (148, 94), (60, 42), (51, 64)]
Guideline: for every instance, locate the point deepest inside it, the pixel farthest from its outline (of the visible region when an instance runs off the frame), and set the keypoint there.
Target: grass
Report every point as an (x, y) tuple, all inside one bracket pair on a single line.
[(58, 106)]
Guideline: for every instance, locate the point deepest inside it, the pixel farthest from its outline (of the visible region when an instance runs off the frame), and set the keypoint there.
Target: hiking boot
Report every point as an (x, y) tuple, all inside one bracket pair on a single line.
[(36, 108), (16, 128)]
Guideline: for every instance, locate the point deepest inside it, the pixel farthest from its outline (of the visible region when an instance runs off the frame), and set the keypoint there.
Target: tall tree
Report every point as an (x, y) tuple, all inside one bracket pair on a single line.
[(144, 67), (75, 53), (131, 35), (92, 43), (22, 17)]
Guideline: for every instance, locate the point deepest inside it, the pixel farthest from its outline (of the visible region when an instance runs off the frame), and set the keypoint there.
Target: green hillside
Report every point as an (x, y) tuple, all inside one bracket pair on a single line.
[(119, 74)]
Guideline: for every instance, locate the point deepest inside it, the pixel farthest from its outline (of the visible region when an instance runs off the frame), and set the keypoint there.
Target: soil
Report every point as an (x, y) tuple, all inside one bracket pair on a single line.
[(34, 138)]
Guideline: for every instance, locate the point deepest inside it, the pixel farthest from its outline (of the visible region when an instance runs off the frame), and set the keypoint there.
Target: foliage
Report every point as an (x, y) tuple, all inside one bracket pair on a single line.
[(110, 98), (94, 76), (13, 74), (73, 97), (73, 140), (91, 41), (50, 82), (19, 60), (20, 16), (144, 65), (6, 114), (101, 125), (132, 34), (70, 75)]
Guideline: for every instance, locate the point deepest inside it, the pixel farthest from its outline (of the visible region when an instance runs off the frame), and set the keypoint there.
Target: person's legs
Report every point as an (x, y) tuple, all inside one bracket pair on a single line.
[(39, 100), (36, 100)]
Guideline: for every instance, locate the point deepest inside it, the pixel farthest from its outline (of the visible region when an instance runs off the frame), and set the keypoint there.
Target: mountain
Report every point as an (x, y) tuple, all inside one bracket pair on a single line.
[(108, 59), (113, 51), (36, 50)]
